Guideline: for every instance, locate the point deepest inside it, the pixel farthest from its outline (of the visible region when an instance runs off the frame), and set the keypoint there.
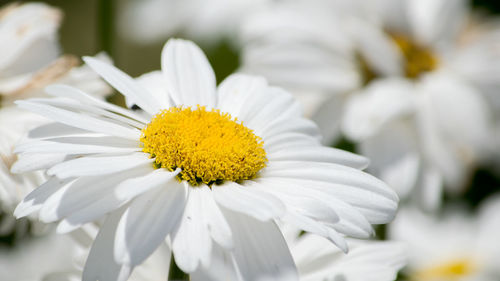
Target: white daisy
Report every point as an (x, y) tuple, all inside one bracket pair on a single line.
[(35, 258), (454, 246), (424, 112), (30, 56), (208, 168), (28, 42), (318, 259)]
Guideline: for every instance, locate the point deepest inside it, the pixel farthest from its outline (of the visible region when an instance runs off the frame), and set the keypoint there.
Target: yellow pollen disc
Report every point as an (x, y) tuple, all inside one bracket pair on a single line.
[(418, 59), (208, 146), (452, 270)]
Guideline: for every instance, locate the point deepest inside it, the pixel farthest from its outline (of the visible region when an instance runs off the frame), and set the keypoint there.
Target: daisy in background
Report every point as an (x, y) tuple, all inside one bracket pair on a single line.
[(318, 259), (209, 169), (30, 54), (34, 258), (396, 76), (29, 60), (154, 21), (455, 246)]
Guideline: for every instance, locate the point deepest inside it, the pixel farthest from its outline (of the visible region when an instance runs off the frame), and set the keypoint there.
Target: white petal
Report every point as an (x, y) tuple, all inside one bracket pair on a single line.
[(217, 225), (147, 222), (319, 154), (328, 117), (395, 156), (221, 267), (291, 125), (52, 130), (191, 241), (329, 173), (377, 48), (154, 82), (93, 165), (80, 145), (79, 120), (248, 200), (34, 201), (236, 92), (436, 22), (100, 263), (260, 251), (91, 197), (188, 74), (125, 85), (132, 187), (27, 162), (381, 102), (60, 90)]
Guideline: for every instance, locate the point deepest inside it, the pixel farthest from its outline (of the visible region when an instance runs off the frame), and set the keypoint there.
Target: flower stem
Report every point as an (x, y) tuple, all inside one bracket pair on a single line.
[(175, 273)]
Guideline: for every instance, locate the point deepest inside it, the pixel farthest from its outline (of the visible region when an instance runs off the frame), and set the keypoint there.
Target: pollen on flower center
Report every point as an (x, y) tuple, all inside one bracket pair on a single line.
[(208, 146), (418, 59)]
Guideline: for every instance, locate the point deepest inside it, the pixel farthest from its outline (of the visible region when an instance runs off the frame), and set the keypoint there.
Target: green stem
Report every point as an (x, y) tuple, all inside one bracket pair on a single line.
[(175, 273)]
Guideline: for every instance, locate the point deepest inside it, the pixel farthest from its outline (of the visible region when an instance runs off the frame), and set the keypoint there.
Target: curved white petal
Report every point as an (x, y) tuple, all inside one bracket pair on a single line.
[(260, 251), (188, 75), (381, 102), (81, 121), (191, 241), (147, 221), (101, 264), (248, 200), (98, 165), (125, 85)]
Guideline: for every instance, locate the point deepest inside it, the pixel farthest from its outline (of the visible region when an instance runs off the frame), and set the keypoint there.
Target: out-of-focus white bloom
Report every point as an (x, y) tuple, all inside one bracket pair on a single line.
[(14, 123), (28, 42), (425, 112), (30, 56), (63, 70), (152, 21), (422, 136), (454, 246), (210, 184), (317, 259), (33, 258)]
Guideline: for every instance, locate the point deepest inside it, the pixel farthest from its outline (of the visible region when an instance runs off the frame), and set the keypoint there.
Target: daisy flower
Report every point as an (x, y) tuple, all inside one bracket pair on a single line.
[(452, 246), (318, 259), (397, 76), (28, 42), (30, 55), (208, 168), (36, 258)]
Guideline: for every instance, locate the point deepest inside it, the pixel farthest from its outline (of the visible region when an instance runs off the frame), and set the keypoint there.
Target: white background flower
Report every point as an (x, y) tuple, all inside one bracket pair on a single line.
[(454, 245)]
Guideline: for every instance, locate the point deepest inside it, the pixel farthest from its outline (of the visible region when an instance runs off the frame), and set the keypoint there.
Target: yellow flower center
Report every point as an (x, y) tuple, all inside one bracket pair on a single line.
[(418, 59), (208, 146), (452, 271)]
